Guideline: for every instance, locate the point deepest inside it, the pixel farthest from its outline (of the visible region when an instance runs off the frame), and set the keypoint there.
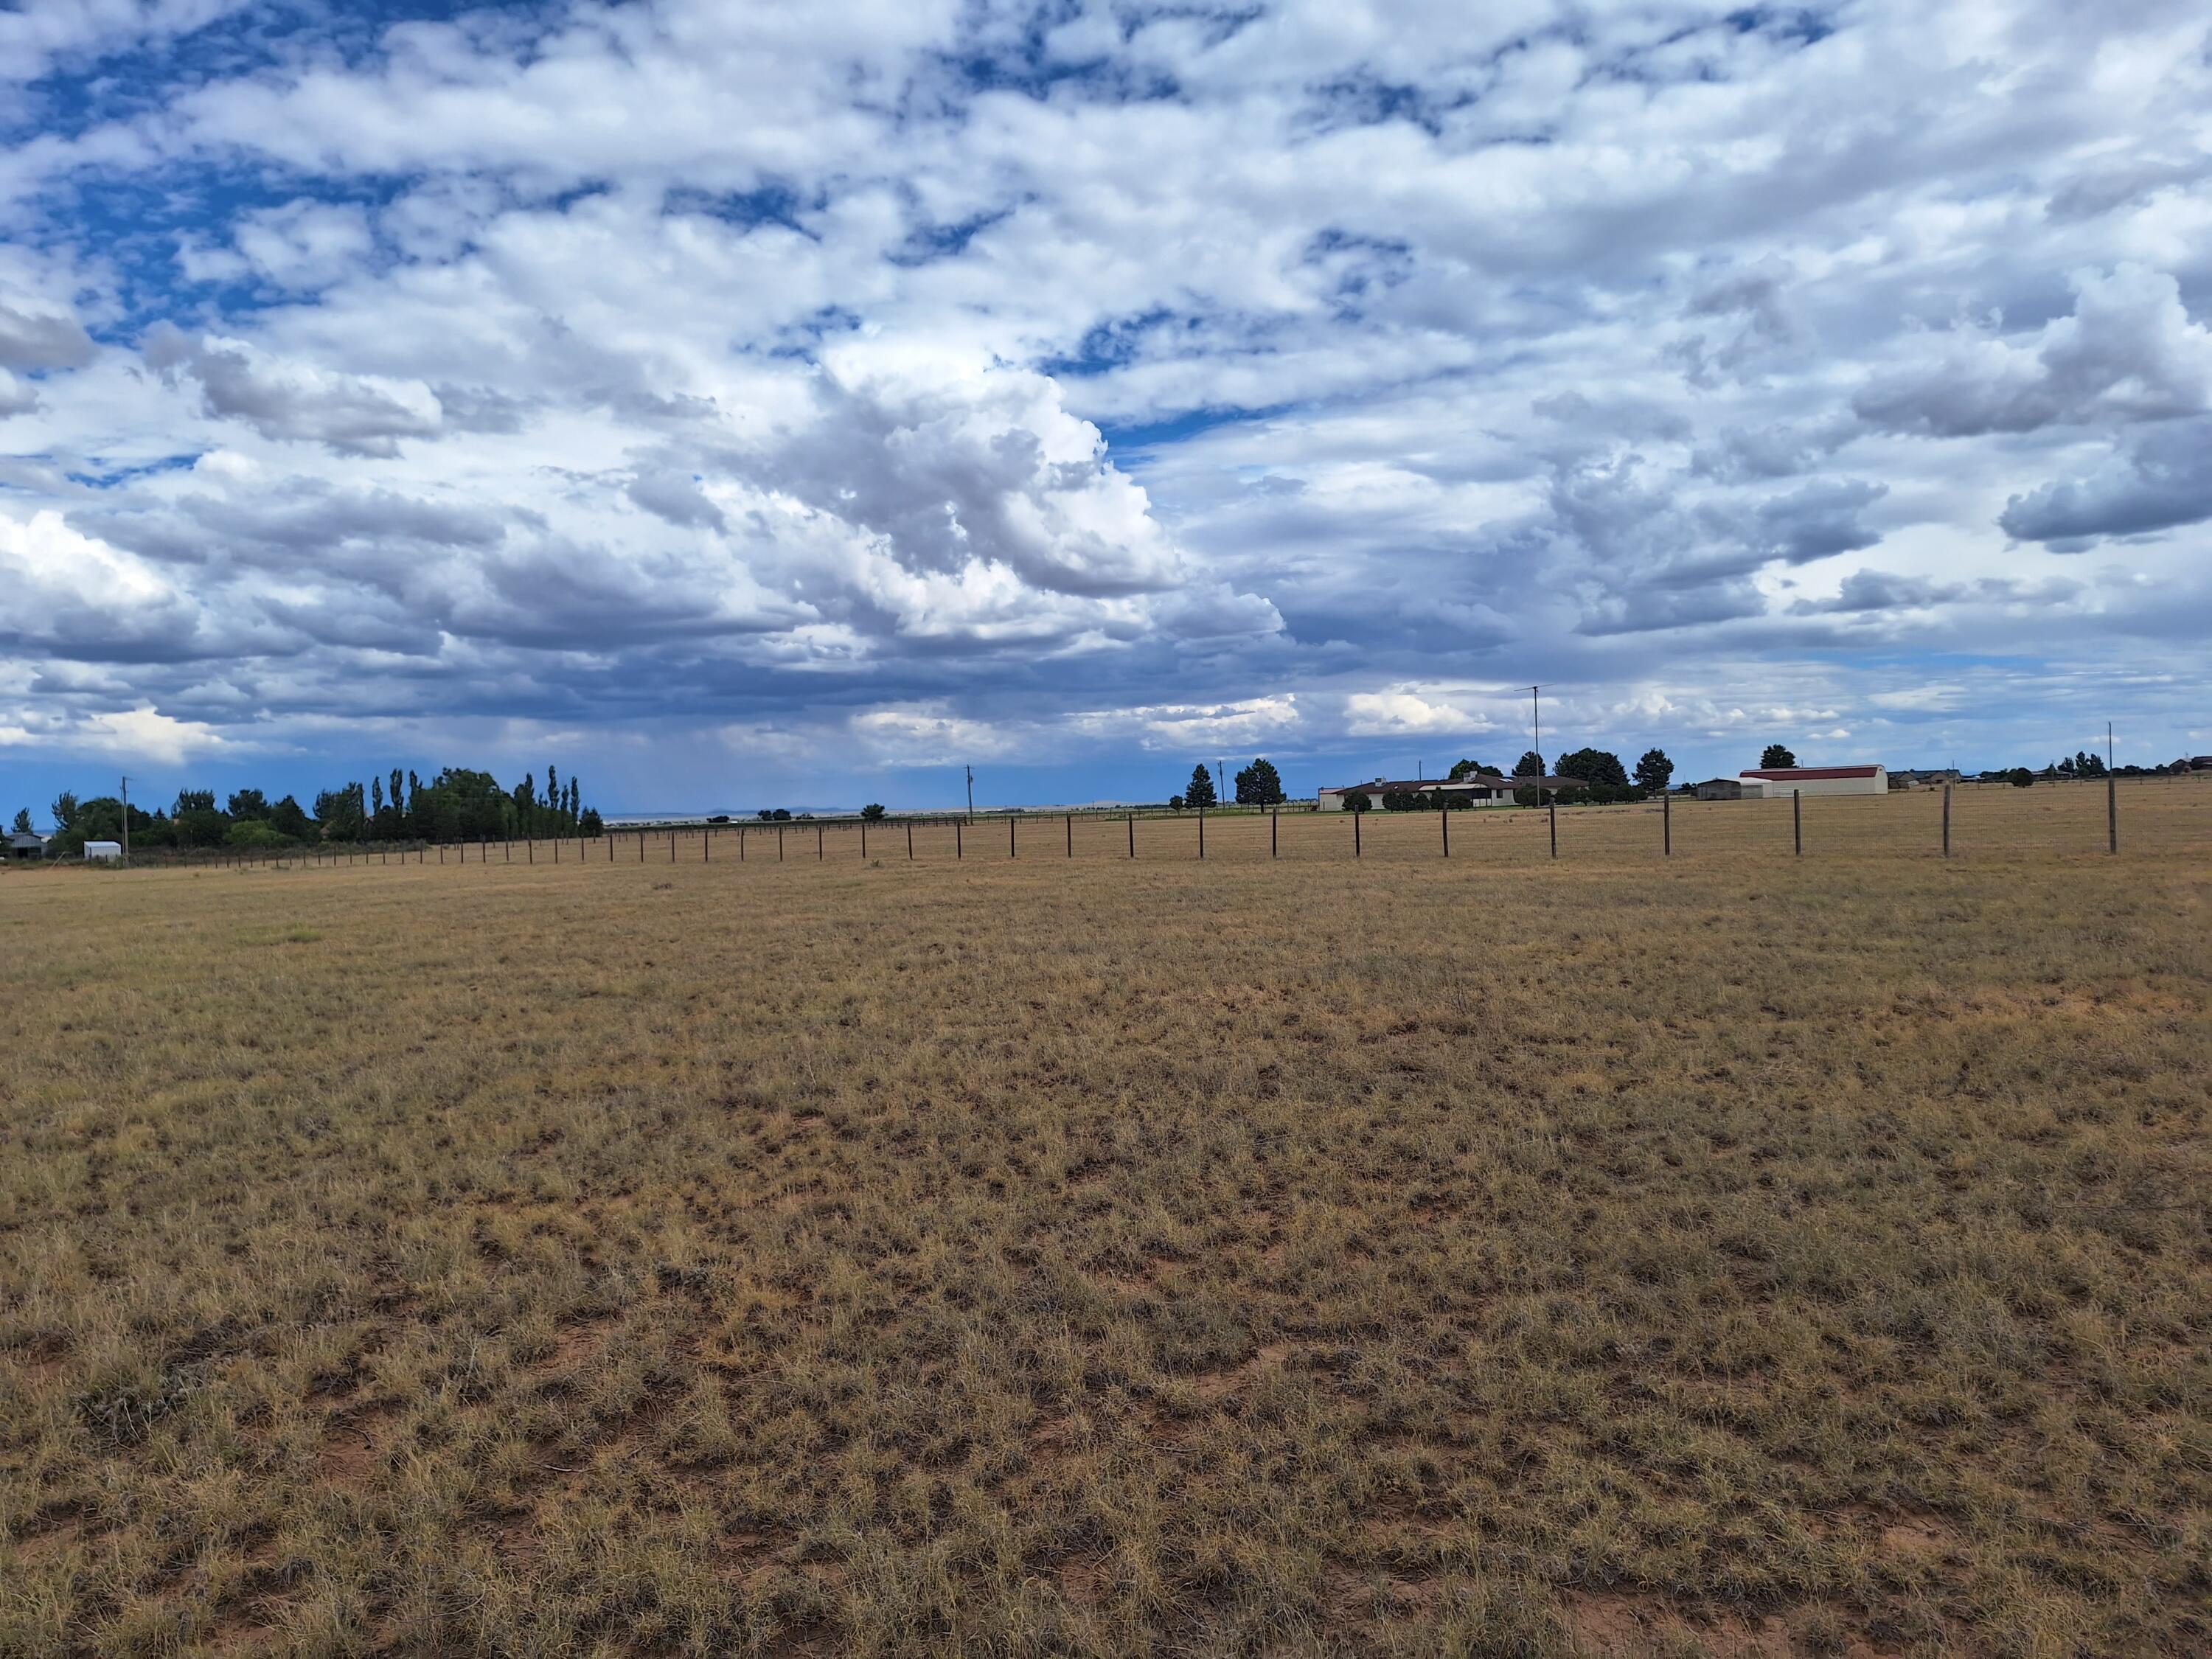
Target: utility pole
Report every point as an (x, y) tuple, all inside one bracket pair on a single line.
[(1536, 720), (126, 821), (971, 771), (1220, 783)]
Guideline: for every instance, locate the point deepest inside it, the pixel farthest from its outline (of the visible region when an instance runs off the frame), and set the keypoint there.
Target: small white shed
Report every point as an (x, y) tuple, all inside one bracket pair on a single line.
[(104, 852)]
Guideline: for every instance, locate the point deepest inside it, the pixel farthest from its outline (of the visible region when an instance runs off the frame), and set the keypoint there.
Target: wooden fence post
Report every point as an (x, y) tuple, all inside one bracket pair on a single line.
[(1667, 821), (1797, 820), (909, 841), (2111, 813), (1274, 834), (818, 853), (1947, 820), (1443, 821), (1554, 804), (1356, 817), (1010, 834), (1070, 827), (958, 851), (1132, 835), (1201, 832)]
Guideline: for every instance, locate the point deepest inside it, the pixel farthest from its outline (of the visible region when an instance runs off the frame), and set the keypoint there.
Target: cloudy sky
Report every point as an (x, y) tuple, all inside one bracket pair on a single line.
[(750, 402)]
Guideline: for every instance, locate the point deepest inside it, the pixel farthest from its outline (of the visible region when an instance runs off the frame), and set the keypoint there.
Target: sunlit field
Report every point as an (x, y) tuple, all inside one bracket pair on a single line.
[(1735, 1253)]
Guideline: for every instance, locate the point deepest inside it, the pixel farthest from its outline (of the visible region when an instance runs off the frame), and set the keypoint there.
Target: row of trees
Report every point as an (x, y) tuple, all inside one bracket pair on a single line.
[(1257, 785), (457, 804)]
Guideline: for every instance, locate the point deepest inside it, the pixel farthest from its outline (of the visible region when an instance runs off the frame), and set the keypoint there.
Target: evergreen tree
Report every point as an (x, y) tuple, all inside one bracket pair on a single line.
[(1258, 785), (1198, 795), (1655, 771), (1775, 757), (23, 821), (1594, 766), (1530, 765)]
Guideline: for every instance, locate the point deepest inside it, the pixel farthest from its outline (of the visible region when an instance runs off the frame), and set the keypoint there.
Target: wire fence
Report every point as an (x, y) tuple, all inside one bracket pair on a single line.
[(1969, 821)]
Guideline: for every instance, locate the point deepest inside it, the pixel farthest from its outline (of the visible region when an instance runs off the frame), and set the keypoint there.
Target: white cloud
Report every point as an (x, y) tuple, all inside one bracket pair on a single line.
[(1404, 713), (147, 734)]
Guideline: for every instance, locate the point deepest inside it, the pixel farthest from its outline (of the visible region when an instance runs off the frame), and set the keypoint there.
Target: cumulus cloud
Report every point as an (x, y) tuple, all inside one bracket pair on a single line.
[(73, 595), (676, 498), (37, 340), (1402, 713), (2128, 352), (353, 414), (2156, 480), (951, 468)]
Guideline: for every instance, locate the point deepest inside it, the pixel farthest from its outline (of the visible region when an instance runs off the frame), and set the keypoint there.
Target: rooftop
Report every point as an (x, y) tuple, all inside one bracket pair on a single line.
[(1786, 773)]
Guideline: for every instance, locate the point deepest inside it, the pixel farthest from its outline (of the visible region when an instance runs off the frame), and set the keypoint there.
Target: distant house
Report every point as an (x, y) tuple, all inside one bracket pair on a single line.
[(23, 846), (1772, 781), (1923, 777), (2200, 763), (1476, 789), (104, 852), (1720, 789)]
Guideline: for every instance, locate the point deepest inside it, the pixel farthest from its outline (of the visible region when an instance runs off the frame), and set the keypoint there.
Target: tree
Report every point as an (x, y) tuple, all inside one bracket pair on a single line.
[(1198, 794), (873, 812), (288, 819), (195, 820), (588, 824), (23, 821), (1404, 800), (1594, 767), (339, 812), (1530, 765), (64, 810), (1655, 771), (253, 832), (2020, 778), (1258, 785), (1355, 800), (783, 815), (1468, 768), (1174, 803), (1774, 756)]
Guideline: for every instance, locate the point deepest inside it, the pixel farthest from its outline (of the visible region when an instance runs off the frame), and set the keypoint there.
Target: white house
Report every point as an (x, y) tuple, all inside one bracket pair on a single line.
[(104, 852), (1773, 780), (1475, 789)]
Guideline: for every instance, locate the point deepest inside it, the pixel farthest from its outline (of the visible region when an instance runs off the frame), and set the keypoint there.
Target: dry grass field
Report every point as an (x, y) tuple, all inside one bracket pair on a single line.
[(1734, 1254)]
